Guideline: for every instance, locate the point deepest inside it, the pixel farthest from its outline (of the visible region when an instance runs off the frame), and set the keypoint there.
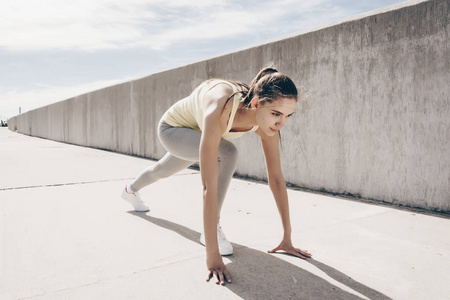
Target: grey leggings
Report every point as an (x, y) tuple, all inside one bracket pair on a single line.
[(183, 149)]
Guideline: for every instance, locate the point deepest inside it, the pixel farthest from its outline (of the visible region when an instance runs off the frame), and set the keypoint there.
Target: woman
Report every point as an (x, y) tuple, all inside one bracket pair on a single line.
[(197, 128)]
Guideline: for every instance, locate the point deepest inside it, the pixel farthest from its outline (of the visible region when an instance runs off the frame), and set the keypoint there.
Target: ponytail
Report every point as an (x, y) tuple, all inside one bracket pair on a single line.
[(268, 86), (251, 91)]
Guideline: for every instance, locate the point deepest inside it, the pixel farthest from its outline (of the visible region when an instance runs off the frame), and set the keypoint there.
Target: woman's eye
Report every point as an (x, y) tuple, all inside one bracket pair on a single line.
[(275, 114)]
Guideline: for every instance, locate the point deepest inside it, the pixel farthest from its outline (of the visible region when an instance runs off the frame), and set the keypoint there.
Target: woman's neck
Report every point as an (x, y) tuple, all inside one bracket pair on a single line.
[(245, 118)]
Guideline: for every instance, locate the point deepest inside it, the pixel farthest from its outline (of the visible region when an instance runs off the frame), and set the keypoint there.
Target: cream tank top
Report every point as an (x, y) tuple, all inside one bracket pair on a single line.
[(188, 112)]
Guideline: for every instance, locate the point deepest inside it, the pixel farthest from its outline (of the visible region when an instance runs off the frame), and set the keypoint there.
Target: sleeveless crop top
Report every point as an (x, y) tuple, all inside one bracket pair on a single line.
[(188, 112)]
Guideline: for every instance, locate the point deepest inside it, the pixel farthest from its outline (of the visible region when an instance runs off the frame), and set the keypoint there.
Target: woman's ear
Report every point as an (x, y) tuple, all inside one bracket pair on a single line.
[(255, 102)]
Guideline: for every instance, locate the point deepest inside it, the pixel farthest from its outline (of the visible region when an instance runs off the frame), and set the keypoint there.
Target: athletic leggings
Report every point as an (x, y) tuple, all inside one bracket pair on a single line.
[(183, 149)]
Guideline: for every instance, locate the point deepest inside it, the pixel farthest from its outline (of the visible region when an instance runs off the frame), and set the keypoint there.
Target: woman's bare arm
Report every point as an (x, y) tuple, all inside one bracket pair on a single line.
[(277, 185), (215, 119)]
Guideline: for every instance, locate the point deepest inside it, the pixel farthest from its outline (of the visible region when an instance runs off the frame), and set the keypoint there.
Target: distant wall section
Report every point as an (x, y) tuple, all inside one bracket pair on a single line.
[(375, 123)]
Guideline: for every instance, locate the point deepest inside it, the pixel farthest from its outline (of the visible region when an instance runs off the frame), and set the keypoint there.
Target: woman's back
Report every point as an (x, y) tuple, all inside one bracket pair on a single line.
[(188, 112)]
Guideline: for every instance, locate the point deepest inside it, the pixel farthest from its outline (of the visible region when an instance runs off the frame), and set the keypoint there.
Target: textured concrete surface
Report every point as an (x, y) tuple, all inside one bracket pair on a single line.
[(66, 234), (374, 124)]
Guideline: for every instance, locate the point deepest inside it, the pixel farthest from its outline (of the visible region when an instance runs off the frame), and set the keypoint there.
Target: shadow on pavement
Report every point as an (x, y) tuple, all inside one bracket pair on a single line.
[(259, 275)]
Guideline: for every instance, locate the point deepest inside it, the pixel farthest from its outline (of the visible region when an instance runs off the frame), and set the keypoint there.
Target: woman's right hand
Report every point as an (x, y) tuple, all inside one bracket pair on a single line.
[(217, 269)]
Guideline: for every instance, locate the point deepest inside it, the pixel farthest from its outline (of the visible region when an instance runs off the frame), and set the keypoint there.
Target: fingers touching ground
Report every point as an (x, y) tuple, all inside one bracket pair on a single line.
[(303, 252), (220, 275), (293, 251)]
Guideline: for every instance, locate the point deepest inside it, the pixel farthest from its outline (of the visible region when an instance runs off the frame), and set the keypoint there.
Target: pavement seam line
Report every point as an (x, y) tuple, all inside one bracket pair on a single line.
[(61, 184), (72, 183)]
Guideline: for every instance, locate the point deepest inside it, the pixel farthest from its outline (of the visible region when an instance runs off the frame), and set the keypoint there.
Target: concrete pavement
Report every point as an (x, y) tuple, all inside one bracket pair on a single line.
[(66, 234)]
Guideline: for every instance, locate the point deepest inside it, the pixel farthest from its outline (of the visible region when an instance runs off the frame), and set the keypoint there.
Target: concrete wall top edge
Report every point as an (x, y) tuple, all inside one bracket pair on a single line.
[(357, 17), (77, 96), (353, 18)]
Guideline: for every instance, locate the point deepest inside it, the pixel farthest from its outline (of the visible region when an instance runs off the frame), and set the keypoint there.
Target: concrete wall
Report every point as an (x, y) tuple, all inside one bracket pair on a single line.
[(375, 122)]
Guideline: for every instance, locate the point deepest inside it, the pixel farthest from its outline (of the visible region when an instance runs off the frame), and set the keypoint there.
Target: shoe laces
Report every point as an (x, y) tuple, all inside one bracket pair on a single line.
[(136, 194)]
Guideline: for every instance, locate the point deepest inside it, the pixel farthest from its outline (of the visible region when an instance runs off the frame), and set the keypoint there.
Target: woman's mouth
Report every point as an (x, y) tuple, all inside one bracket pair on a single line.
[(273, 130)]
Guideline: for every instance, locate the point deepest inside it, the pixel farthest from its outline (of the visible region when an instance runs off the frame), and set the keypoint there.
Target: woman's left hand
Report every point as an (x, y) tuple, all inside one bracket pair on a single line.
[(288, 248)]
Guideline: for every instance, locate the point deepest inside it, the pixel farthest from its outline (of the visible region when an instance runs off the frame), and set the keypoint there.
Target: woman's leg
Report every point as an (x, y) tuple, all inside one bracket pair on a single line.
[(184, 143), (165, 167), (183, 146), (173, 139), (228, 155)]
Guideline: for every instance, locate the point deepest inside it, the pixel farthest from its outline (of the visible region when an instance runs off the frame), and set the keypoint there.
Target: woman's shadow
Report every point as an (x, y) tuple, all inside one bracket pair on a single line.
[(259, 275)]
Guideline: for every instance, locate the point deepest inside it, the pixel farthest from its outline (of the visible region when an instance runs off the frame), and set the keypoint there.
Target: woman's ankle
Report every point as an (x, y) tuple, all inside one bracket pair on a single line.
[(128, 189)]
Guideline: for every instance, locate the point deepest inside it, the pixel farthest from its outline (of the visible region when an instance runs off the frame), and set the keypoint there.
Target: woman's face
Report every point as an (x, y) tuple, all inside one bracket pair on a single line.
[(271, 117)]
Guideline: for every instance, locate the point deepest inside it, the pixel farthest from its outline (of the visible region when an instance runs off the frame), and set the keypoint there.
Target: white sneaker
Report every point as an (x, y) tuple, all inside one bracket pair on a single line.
[(225, 247), (135, 200)]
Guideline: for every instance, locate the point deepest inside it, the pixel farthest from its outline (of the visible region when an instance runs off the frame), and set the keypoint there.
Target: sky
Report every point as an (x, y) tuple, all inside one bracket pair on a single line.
[(52, 50)]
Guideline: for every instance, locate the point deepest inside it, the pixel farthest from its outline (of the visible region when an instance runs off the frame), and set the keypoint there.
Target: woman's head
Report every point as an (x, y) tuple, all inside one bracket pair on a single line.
[(273, 95), (268, 86)]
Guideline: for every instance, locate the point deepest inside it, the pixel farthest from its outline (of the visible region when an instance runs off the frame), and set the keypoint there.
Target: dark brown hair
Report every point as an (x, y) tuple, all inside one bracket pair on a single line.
[(268, 86)]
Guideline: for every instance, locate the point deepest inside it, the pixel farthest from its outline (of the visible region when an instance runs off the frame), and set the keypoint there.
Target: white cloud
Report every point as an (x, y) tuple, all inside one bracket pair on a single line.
[(53, 24), (112, 24), (83, 24)]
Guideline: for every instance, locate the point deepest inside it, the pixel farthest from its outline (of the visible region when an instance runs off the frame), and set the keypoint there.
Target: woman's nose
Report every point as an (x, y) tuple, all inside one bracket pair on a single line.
[(281, 123)]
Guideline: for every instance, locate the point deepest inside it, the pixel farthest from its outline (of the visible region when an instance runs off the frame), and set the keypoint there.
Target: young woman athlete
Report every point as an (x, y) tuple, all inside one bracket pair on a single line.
[(196, 129)]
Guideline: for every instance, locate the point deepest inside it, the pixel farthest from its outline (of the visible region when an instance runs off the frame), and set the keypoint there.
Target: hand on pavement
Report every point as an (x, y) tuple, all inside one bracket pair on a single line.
[(217, 269), (288, 248)]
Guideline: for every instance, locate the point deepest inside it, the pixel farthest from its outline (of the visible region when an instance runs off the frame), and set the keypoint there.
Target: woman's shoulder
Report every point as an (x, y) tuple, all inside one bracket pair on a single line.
[(220, 82), (219, 88)]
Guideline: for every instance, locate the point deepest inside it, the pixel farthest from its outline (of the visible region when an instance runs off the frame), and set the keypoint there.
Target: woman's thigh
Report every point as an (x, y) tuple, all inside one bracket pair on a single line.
[(181, 142), (184, 143)]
